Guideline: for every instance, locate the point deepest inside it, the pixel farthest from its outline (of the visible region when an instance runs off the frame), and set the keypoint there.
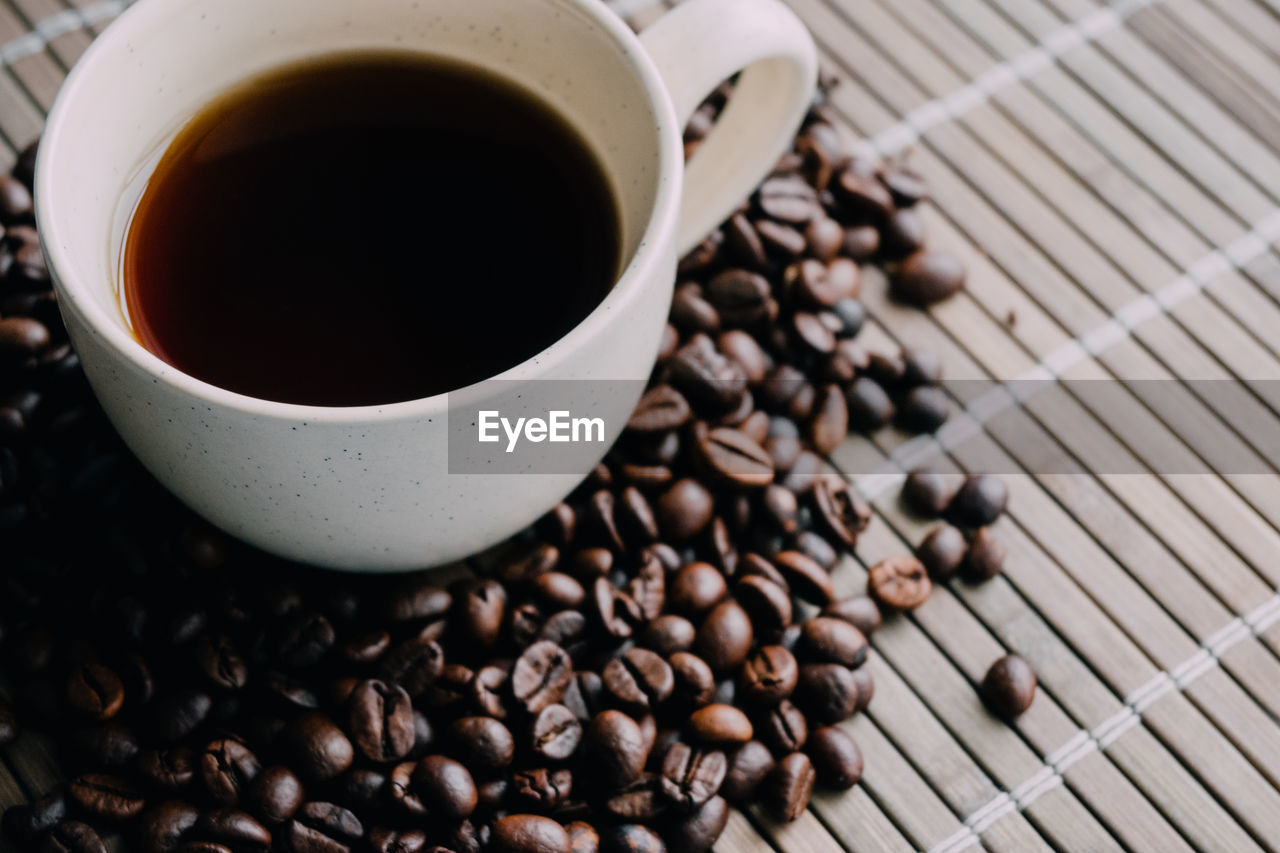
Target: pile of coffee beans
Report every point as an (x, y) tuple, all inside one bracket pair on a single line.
[(664, 643)]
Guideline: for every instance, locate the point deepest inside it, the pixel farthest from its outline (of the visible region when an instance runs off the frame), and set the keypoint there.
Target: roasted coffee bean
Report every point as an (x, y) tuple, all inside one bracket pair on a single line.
[(691, 313), (706, 378), (167, 768), (616, 611), (401, 791), (555, 733), (869, 405), (980, 501), (617, 747), (556, 590), (770, 674), (639, 678), (23, 336), (320, 749), (684, 510), (479, 607), (787, 199), (583, 837), (109, 745), (696, 588), (927, 277), (105, 797), (698, 831), (742, 242), (866, 686), (927, 492), (303, 639), (203, 847), (26, 823), (836, 759), (826, 639), (789, 785), (767, 604), (735, 459), (332, 820), (720, 725), (942, 552), (640, 800), (839, 512), (529, 563), (445, 786), (862, 196), (483, 742), (275, 795), (414, 664), (783, 727), (15, 201), (662, 408), (725, 637), (899, 583), (648, 589), (859, 611), (566, 629), (887, 369), (228, 767), (748, 765), (162, 828), (300, 838), (631, 838), (861, 242), (381, 720), (95, 691), (806, 579), (175, 716), (669, 634), (780, 509), (417, 600), (695, 685), (690, 777), (362, 788), (1009, 687), (541, 789), (746, 352), (540, 676), (527, 833), (923, 409), (450, 689), (234, 828), (830, 422), (386, 840), (635, 517), (221, 663), (985, 558), (72, 836)]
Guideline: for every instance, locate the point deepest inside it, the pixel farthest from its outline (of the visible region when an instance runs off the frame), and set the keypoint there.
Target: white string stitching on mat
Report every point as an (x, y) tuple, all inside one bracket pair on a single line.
[(981, 89), (47, 29)]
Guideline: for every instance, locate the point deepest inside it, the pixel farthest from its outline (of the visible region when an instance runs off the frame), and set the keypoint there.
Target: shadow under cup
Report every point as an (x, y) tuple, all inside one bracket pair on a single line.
[(363, 487)]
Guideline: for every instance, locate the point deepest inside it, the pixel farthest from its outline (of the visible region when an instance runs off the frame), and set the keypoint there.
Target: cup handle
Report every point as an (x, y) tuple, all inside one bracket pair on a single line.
[(695, 47)]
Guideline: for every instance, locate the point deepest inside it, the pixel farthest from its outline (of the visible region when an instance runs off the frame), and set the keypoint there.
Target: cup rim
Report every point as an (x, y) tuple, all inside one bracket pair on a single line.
[(658, 231)]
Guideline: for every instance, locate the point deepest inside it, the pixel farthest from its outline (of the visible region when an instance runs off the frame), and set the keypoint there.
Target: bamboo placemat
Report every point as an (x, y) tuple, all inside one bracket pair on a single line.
[(1111, 176)]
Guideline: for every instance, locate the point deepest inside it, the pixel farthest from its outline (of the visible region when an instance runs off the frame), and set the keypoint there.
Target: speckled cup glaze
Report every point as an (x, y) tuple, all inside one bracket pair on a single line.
[(367, 488)]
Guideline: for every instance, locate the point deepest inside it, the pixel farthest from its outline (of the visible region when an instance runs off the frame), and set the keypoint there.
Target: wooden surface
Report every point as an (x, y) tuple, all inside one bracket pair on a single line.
[(1110, 174)]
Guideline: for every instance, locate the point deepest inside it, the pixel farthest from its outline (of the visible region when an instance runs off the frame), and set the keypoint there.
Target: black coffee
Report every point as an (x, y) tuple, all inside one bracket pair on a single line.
[(365, 229)]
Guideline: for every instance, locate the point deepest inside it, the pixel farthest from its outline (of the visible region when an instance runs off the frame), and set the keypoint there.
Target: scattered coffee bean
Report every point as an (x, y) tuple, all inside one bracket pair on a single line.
[(381, 721), (789, 785), (275, 795), (72, 836), (985, 558), (320, 748), (725, 637), (927, 277), (899, 583), (484, 743), (109, 798), (527, 833), (445, 786), (836, 759), (927, 492), (826, 639), (618, 747), (860, 611), (1009, 687), (942, 552), (228, 767), (980, 501), (770, 674), (720, 724), (828, 692)]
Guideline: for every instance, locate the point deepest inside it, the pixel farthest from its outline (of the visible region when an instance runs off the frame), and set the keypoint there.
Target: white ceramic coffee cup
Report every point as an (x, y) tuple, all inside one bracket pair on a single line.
[(368, 488)]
